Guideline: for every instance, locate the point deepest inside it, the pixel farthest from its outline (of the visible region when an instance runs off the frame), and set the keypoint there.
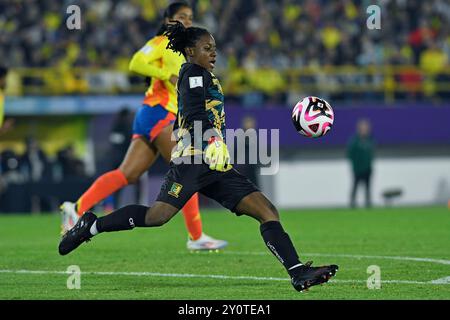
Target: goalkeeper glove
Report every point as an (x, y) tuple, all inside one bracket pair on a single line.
[(217, 156)]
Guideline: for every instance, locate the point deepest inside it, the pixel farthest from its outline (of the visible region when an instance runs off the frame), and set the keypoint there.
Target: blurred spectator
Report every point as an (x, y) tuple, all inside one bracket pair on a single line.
[(419, 36), (360, 151), (37, 171), (331, 36), (9, 174), (9, 168), (71, 166), (119, 139), (433, 59), (34, 163), (5, 125)]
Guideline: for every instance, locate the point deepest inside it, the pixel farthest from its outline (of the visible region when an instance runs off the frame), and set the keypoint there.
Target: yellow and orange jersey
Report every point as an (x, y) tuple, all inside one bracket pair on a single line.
[(159, 63)]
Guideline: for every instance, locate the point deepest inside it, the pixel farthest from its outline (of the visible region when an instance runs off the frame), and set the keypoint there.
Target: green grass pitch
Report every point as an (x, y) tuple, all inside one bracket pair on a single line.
[(411, 246)]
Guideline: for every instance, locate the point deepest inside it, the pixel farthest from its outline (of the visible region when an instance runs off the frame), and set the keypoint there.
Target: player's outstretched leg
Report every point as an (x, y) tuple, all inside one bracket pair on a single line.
[(279, 243), (125, 218)]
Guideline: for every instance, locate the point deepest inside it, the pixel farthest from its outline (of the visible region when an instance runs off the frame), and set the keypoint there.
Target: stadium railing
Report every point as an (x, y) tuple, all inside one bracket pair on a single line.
[(390, 82)]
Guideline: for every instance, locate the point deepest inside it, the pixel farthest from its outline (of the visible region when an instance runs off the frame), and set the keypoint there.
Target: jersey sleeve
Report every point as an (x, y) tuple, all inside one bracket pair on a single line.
[(142, 61), (193, 96)]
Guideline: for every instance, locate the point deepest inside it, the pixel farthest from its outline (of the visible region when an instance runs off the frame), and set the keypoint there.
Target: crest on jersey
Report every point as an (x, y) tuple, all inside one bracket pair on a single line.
[(175, 190)]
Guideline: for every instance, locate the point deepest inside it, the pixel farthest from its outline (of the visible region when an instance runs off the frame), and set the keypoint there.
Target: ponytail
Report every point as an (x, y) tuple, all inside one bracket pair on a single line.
[(181, 38), (178, 37)]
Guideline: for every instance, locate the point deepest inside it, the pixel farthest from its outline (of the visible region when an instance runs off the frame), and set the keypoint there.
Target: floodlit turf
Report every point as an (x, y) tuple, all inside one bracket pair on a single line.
[(155, 264)]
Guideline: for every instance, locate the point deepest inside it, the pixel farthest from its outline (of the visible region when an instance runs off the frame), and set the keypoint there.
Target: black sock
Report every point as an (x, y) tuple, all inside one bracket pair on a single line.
[(125, 218), (280, 244)]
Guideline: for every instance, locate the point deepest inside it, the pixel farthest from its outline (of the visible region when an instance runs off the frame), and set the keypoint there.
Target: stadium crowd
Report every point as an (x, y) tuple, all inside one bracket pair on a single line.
[(260, 37)]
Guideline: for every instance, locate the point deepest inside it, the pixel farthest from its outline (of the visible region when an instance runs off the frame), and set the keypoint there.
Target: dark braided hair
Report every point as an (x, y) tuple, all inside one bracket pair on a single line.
[(170, 11), (181, 38)]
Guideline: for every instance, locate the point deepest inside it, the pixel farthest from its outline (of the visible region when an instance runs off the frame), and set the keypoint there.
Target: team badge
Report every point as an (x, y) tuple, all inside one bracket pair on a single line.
[(175, 190)]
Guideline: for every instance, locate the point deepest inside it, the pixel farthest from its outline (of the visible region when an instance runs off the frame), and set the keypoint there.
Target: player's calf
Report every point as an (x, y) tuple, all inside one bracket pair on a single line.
[(125, 218)]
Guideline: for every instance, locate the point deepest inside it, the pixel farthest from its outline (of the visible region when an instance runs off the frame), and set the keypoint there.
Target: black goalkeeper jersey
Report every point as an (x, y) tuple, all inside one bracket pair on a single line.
[(200, 108)]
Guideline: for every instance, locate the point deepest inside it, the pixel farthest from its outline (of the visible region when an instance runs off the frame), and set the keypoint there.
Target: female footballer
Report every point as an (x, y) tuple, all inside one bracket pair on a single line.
[(200, 163), (152, 130)]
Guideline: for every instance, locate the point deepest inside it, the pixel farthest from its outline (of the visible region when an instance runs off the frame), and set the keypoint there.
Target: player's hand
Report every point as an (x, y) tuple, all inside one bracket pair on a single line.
[(173, 79), (217, 156)]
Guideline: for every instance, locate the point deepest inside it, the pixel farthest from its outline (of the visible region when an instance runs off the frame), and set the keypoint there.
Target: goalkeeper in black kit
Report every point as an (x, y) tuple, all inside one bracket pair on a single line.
[(201, 163)]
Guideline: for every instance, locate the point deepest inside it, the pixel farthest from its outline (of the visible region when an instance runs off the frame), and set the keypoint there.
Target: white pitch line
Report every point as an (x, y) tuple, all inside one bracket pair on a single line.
[(208, 276), (146, 274), (355, 256), (445, 280)]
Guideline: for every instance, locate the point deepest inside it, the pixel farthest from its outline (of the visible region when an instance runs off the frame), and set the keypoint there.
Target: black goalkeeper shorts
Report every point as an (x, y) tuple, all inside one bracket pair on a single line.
[(182, 181)]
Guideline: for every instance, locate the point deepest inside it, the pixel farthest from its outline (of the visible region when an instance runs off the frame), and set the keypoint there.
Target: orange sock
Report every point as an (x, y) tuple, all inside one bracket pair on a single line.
[(192, 217), (104, 186)]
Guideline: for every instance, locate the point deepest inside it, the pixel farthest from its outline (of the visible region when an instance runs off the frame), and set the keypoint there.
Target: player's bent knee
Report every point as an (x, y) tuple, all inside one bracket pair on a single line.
[(132, 172), (132, 179), (131, 176), (256, 205)]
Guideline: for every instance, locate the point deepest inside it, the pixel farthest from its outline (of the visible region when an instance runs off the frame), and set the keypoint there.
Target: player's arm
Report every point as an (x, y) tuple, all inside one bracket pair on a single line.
[(142, 61), (193, 88)]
